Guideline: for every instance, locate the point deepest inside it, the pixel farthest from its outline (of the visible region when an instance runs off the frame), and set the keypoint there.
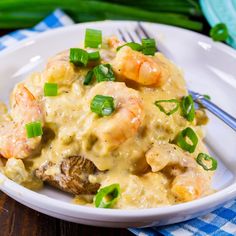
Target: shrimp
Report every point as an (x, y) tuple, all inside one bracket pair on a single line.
[(13, 138), (145, 70), (113, 42), (190, 185), (60, 70), (126, 119), (190, 181)]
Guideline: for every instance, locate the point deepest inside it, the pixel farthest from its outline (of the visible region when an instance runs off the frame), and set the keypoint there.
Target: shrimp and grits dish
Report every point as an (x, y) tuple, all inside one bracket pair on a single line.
[(110, 123)]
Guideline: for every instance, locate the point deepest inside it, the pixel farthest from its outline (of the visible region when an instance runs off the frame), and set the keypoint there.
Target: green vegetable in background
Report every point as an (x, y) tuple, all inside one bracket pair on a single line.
[(219, 32), (183, 13)]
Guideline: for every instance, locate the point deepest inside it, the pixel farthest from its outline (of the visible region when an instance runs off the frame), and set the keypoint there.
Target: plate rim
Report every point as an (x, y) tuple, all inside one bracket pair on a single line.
[(212, 200), (119, 213)]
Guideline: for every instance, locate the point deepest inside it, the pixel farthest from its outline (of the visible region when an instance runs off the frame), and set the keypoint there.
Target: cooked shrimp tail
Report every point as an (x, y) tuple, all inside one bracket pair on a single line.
[(132, 65), (128, 117), (13, 138)]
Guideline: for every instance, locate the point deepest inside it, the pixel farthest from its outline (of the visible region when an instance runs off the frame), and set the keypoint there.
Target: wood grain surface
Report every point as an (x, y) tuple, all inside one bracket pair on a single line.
[(18, 220)]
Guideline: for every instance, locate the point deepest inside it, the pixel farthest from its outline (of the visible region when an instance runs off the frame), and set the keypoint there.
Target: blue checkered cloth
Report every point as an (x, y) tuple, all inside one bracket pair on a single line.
[(57, 19), (221, 222)]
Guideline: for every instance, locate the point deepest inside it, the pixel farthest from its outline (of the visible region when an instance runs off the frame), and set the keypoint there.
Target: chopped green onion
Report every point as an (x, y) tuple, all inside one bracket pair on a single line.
[(148, 43), (219, 32), (207, 97), (134, 46), (22, 14), (181, 140), (149, 46), (149, 51), (33, 129), (94, 56), (102, 105), (88, 77), (187, 106), (204, 157), (93, 38), (162, 109), (104, 72), (107, 196), (50, 89), (79, 57)]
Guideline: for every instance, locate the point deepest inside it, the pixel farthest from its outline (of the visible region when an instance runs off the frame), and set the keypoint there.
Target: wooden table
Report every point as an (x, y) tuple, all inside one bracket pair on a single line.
[(18, 220)]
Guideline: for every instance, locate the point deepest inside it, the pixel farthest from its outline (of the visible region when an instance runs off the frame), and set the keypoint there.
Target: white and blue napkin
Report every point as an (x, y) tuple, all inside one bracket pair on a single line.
[(57, 19), (218, 11), (221, 222)]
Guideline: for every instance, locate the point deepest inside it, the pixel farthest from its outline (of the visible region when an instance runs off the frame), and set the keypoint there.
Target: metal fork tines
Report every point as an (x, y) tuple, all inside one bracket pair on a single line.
[(136, 36)]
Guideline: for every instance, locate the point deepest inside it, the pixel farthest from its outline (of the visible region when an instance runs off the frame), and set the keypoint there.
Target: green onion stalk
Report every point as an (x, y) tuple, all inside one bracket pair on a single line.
[(18, 13)]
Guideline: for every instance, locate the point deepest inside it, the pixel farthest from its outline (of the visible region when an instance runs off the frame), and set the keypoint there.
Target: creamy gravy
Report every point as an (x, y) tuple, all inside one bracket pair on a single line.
[(69, 130)]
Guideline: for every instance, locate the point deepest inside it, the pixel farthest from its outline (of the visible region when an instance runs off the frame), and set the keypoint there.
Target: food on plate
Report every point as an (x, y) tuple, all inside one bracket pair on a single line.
[(110, 123), (24, 109)]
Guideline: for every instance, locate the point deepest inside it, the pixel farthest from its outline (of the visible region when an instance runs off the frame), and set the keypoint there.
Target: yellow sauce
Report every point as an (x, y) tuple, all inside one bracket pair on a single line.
[(70, 125)]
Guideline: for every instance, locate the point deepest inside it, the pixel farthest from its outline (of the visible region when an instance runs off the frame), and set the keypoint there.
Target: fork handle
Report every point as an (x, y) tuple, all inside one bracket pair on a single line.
[(224, 116)]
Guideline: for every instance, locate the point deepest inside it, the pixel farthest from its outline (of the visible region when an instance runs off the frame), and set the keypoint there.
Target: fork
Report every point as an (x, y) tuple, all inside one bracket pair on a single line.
[(198, 98)]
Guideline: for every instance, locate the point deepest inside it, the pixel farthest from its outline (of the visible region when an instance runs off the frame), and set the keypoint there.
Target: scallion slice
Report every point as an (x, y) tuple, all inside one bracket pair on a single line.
[(134, 46), (33, 129), (148, 43), (219, 32), (206, 96), (162, 109), (88, 77), (149, 46), (107, 196), (187, 106), (103, 72), (93, 38), (79, 57), (102, 105), (149, 51), (94, 56), (202, 160), (183, 143), (50, 89)]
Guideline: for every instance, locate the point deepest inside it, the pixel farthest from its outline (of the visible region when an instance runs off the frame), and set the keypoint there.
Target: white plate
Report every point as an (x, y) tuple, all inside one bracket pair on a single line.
[(209, 68)]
